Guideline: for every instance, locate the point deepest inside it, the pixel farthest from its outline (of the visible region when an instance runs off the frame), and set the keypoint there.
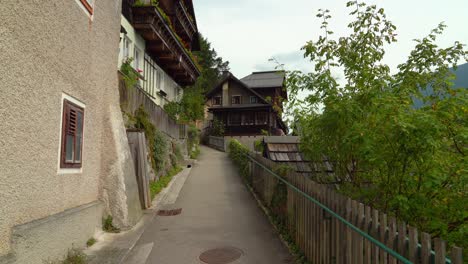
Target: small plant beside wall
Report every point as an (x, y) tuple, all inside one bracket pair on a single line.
[(157, 186), (74, 256), (108, 226), (91, 242), (130, 75)]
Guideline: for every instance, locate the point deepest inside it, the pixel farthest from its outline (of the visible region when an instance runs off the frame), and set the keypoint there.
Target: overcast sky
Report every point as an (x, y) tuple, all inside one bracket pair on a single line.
[(250, 32)]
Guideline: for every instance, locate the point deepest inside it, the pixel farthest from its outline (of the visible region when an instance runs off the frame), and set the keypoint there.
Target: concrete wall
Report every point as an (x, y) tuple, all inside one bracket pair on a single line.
[(48, 49)]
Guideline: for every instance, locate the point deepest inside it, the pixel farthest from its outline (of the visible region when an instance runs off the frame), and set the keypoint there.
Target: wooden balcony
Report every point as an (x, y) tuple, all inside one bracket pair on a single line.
[(185, 25), (164, 45)]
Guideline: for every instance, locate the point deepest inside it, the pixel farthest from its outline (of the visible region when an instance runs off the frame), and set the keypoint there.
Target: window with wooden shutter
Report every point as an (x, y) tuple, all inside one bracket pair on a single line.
[(72, 135)]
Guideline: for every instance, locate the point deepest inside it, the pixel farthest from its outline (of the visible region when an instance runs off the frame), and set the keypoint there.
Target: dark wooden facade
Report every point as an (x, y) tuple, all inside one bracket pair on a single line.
[(243, 111), (170, 32)]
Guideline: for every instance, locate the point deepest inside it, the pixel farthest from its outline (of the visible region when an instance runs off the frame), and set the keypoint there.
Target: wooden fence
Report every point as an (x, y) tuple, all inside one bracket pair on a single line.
[(323, 238), (132, 98), (137, 143), (216, 142)]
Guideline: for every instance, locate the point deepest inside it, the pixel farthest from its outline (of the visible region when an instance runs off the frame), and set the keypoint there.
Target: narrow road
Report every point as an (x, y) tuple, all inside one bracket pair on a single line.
[(218, 212)]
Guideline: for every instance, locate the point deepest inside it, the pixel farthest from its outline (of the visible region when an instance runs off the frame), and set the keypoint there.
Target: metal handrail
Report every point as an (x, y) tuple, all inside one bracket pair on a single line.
[(335, 215)]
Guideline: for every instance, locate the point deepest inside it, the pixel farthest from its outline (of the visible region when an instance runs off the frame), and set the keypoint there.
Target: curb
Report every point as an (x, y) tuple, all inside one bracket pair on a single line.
[(123, 243)]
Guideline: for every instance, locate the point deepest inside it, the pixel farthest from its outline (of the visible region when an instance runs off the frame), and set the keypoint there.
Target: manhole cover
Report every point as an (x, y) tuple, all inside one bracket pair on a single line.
[(221, 255), (170, 212)]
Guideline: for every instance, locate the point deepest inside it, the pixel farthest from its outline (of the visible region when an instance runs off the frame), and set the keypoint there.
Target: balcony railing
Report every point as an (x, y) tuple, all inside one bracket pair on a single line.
[(185, 20), (162, 42)]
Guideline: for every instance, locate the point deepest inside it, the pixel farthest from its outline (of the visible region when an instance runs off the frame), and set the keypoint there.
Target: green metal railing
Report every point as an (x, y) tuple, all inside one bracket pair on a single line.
[(341, 219)]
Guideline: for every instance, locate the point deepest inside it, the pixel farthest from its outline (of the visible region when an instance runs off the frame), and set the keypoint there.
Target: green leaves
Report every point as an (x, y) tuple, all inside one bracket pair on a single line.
[(410, 162)]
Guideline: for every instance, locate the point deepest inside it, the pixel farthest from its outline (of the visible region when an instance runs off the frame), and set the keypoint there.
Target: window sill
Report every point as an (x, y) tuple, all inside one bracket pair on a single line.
[(64, 171)]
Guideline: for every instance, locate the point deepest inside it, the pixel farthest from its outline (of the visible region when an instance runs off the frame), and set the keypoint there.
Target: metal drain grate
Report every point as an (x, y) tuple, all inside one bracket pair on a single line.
[(221, 255), (170, 212)]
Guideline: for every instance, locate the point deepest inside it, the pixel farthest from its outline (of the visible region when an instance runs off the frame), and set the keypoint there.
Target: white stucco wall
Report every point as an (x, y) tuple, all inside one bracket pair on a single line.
[(166, 84), (51, 48)]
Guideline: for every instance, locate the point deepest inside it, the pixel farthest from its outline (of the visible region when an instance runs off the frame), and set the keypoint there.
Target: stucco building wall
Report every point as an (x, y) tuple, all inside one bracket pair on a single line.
[(48, 49)]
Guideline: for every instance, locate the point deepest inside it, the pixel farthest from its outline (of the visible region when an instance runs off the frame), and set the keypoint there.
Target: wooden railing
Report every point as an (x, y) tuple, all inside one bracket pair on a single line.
[(331, 228), (164, 45), (184, 19), (132, 98), (216, 142)]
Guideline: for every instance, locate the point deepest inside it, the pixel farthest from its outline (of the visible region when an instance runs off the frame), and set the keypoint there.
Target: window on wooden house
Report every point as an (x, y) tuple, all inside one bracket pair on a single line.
[(248, 119), (234, 119), (89, 5), (72, 135), (261, 118), (236, 99), (217, 100), (253, 99)]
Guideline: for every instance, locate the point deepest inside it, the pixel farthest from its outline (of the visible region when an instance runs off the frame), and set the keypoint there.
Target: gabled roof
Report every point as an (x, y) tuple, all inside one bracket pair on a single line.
[(285, 150), (230, 76), (267, 79)]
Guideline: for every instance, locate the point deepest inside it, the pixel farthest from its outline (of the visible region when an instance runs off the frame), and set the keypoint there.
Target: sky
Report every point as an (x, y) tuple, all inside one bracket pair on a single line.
[(248, 33)]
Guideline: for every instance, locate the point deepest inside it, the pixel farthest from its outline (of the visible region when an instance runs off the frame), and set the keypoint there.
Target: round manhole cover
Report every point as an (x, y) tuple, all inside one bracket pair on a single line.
[(221, 255)]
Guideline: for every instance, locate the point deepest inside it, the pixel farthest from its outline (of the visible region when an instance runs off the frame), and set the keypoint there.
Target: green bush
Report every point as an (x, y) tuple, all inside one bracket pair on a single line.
[(130, 76), (239, 154), (157, 186), (178, 152), (193, 141), (160, 150), (217, 128), (258, 145)]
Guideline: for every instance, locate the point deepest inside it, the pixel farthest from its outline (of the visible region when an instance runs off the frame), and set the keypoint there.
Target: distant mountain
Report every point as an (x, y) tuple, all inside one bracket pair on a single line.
[(461, 81)]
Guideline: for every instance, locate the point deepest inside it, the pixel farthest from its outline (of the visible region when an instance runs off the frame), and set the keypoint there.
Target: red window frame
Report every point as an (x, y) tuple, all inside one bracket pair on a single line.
[(87, 6), (70, 128)]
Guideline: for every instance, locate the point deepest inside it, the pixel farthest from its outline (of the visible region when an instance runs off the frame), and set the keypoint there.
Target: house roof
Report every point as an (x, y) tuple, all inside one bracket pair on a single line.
[(267, 79), (285, 150), (230, 76)]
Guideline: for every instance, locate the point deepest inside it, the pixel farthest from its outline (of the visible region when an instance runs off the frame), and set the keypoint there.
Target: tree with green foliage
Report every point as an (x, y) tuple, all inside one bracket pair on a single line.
[(191, 106), (409, 162)]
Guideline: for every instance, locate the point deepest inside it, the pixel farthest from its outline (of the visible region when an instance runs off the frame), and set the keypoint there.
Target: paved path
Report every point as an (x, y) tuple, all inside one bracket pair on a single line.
[(217, 211)]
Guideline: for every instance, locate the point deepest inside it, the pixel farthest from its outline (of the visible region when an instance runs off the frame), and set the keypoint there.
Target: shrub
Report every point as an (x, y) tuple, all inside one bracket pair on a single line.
[(130, 76), (157, 186), (193, 141), (239, 154), (160, 150), (217, 128), (178, 152)]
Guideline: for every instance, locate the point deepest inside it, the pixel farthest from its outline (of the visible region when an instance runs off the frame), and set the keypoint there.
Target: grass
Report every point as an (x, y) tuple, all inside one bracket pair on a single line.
[(157, 186), (91, 242), (195, 153), (74, 256), (107, 225)]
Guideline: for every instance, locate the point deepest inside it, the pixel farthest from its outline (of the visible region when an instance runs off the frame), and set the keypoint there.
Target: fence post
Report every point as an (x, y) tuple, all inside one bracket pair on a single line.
[(425, 248)]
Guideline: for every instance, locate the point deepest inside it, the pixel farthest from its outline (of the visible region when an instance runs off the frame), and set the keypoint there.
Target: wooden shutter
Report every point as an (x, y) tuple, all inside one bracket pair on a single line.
[(70, 130)]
